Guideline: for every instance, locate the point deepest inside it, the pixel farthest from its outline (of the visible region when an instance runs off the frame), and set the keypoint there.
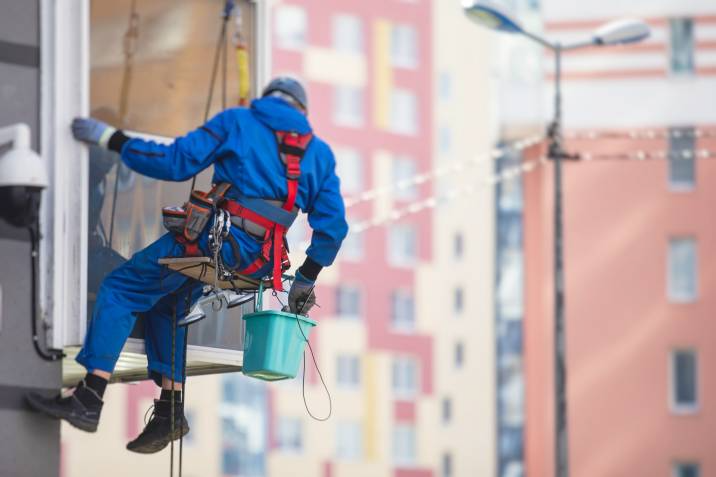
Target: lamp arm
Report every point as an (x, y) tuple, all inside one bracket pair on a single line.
[(581, 44), (542, 41)]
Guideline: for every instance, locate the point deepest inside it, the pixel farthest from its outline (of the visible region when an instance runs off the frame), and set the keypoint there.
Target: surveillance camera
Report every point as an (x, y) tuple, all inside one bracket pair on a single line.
[(22, 177)]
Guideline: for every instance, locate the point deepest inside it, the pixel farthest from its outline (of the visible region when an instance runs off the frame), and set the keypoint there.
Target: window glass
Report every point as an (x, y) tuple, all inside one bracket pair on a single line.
[(682, 164), (349, 441), (349, 167), (445, 86), (353, 247), (348, 301), (404, 171), (291, 24), (459, 354), (403, 46), (403, 112), (348, 371), (458, 300), (348, 106), (447, 465), (289, 435), (445, 139), (348, 33), (682, 272), (404, 452), (404, 377), (447, 410), (169, 73), (681, 46), (402, 245), (684, 380), (458, 245), (687, 469), (402, 307)]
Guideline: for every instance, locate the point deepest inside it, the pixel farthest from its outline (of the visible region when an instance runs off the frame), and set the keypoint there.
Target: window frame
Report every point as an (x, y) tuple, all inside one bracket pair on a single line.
[(65, 93), (681, 74)]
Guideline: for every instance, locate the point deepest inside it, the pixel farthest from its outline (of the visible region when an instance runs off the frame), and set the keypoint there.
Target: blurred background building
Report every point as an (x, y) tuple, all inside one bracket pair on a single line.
[(638, 250)]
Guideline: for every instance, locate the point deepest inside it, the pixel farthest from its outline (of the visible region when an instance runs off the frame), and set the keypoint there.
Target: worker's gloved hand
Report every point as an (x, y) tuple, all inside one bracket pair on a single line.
[(92, 131), (301, 297)]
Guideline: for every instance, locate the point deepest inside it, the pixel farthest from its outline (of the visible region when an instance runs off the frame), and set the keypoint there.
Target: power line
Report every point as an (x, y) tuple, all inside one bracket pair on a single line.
[(640, 155), (643, 134), (441, 171)]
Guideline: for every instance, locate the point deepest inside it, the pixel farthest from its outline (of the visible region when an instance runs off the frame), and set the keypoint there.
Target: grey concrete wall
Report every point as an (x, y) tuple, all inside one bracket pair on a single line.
[(29, 443)]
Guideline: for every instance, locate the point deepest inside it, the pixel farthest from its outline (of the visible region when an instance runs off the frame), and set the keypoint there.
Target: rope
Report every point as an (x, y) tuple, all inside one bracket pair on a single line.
[(220, 47), (173, 366)]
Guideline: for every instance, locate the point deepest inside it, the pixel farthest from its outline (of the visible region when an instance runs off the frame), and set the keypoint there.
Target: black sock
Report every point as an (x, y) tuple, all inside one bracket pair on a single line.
[(167, 395), (96, 384)]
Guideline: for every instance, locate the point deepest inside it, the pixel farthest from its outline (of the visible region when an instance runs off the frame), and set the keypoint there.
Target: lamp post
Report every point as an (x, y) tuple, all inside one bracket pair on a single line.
[(489, 15)]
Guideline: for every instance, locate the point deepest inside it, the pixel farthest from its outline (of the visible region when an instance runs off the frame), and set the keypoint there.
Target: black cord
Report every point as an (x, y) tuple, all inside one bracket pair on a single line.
[(315, 364), (49, 354)]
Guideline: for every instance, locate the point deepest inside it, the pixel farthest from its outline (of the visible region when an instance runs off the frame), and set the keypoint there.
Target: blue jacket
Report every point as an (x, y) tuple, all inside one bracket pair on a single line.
[(241, 144)]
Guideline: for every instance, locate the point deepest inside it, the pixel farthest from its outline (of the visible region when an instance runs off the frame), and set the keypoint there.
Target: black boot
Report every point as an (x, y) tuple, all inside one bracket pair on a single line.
[(81, 409), (157, 434)]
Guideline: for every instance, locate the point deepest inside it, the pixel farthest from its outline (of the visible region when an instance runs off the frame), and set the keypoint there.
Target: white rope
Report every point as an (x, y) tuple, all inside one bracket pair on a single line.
[(432, 202), (440, 171)]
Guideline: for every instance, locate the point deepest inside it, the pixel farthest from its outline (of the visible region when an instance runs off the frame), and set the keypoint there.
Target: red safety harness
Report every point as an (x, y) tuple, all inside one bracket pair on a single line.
[(292, 147)]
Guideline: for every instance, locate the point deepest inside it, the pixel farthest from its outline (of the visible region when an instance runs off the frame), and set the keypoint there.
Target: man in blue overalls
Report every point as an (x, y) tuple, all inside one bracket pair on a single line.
[(245, 146)]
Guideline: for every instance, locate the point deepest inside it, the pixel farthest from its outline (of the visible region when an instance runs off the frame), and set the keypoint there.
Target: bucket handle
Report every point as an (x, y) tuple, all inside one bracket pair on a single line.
[(260, 297)]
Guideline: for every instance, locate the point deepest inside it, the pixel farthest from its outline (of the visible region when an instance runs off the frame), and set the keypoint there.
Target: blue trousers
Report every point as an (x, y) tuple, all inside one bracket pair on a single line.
[(141, 285)]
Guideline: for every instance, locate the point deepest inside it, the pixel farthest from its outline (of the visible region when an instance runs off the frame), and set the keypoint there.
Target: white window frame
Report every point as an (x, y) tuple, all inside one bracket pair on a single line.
[(402, 325), (349, 453), (64, 86), (349, 359), (676, 408), (400, 393), (410, 430), (351, 287)]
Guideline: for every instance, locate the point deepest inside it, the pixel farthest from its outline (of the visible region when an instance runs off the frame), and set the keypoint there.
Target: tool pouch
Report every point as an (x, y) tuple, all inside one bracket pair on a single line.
[(198, 213), (190, 220), (174, 219)]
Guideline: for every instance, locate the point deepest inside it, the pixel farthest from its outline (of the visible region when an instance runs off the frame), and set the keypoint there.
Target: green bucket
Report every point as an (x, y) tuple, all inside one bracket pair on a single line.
[(274, 342)]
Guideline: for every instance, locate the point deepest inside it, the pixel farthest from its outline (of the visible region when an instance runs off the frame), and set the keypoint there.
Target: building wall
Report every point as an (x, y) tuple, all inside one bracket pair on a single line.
[(619, 217), (24, 434)]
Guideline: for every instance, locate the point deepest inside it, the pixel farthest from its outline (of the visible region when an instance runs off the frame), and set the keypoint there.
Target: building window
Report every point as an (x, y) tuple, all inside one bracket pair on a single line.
[(291, 27), (348, 106), (686, 469), (349, 167), (684, 381), (403, 112), (447, 465), (352, 248), (402, 245), (349, 441), (402, 311), (348, 302), (445, 86), (445, 139), (404, 377), (459, 355), (458, 245), (447, 410), (682, 270), (404, 172), (289, 435), (403, 46), (682, 163), (458, 300), (348, 371), (404, 451), (681, 46), (347, 33)]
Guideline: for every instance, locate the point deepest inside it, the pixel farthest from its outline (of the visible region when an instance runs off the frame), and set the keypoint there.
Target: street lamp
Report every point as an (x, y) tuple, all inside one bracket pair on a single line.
[(618, 32)]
